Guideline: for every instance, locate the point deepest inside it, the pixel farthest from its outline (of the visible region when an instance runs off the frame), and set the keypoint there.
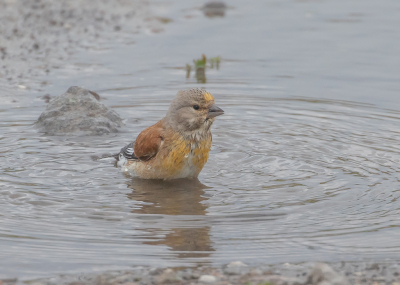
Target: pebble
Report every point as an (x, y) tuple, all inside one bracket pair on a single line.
[(235, 268), (168, 276), (207, 279), (236, 264), (214, 9), (322, 272)]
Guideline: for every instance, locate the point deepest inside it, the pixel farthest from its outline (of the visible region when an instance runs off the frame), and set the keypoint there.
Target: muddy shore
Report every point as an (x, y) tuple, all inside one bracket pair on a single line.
[(37, 37), (238, 273)]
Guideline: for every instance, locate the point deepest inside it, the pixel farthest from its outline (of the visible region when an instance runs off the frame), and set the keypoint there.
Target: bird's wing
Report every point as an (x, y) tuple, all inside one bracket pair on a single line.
[(128, 152), (148, 142)]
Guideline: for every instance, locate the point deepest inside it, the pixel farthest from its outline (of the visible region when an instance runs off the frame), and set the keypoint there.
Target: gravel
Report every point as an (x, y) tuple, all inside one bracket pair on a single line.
[(281, 274)]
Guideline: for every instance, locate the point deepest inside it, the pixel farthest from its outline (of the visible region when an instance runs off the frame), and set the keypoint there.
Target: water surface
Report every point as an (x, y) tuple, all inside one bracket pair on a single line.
[(304, 164)]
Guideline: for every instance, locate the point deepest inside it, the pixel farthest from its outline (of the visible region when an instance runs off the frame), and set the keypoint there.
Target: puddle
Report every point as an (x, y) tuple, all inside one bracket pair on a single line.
[(304, 164)]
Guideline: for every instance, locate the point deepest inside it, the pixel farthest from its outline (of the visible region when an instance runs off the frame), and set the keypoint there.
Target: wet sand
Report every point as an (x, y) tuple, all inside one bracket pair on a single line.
[(40, 36)]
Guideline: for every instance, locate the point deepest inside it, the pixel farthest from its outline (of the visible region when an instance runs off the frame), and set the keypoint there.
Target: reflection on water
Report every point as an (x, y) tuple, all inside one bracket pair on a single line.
[(177, 197)]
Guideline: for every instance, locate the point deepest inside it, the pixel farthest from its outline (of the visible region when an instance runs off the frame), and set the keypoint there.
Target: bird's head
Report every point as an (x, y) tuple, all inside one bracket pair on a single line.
[(193, 110)]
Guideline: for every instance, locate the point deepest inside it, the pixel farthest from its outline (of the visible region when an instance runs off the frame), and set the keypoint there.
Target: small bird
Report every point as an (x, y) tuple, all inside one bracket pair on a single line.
[(178, 145)]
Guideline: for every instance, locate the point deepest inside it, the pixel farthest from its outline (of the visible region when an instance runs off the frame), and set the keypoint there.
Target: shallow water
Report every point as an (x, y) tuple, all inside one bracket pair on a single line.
[(303, 166)]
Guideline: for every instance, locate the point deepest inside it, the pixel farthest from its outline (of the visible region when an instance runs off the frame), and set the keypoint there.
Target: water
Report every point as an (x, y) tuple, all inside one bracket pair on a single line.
[(304, 164)]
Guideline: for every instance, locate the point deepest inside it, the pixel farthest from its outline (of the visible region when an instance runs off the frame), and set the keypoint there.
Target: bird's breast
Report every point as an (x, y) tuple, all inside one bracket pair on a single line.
[(187, 158)]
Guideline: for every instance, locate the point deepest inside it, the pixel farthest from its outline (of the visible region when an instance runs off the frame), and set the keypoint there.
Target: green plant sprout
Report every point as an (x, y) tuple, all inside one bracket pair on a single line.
[(200, 66)]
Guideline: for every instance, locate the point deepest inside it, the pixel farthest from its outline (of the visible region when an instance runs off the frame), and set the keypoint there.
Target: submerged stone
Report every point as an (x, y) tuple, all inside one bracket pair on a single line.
[(214, 9), (78, 111)]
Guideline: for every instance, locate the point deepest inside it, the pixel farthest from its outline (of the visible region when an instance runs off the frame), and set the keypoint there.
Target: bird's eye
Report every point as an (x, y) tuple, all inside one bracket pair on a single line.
[(196, 107)]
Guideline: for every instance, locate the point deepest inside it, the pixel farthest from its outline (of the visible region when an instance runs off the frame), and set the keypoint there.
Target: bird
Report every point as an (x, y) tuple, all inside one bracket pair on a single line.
[(178, 145)]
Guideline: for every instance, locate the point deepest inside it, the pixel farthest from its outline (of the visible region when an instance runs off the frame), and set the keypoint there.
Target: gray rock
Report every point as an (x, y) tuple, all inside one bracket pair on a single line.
[(78, 111), (214, 9), (207, 279), (323, 274), (168, 276), (187, 274), (236, 264), (103, 279), (236, 268)]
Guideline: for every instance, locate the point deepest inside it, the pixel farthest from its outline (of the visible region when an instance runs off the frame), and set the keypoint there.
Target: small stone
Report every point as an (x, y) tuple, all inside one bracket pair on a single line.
[(22, 87), (373, 267), (207, 279), (214, 9), (236, 264), (379, 278), (78, 111), (46, 98), (188, 274), (324, 273), (358, 273), (155, 271), (236, 268), (168, 276), (256, 272), (103, 279), (120, 279)]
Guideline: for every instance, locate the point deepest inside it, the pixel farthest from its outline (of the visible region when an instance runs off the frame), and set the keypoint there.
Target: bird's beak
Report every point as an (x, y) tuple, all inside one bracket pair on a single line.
[(214, 111)]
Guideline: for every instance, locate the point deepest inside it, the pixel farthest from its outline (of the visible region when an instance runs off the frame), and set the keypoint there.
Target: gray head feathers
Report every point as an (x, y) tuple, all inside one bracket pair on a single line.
[(188, 111)]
